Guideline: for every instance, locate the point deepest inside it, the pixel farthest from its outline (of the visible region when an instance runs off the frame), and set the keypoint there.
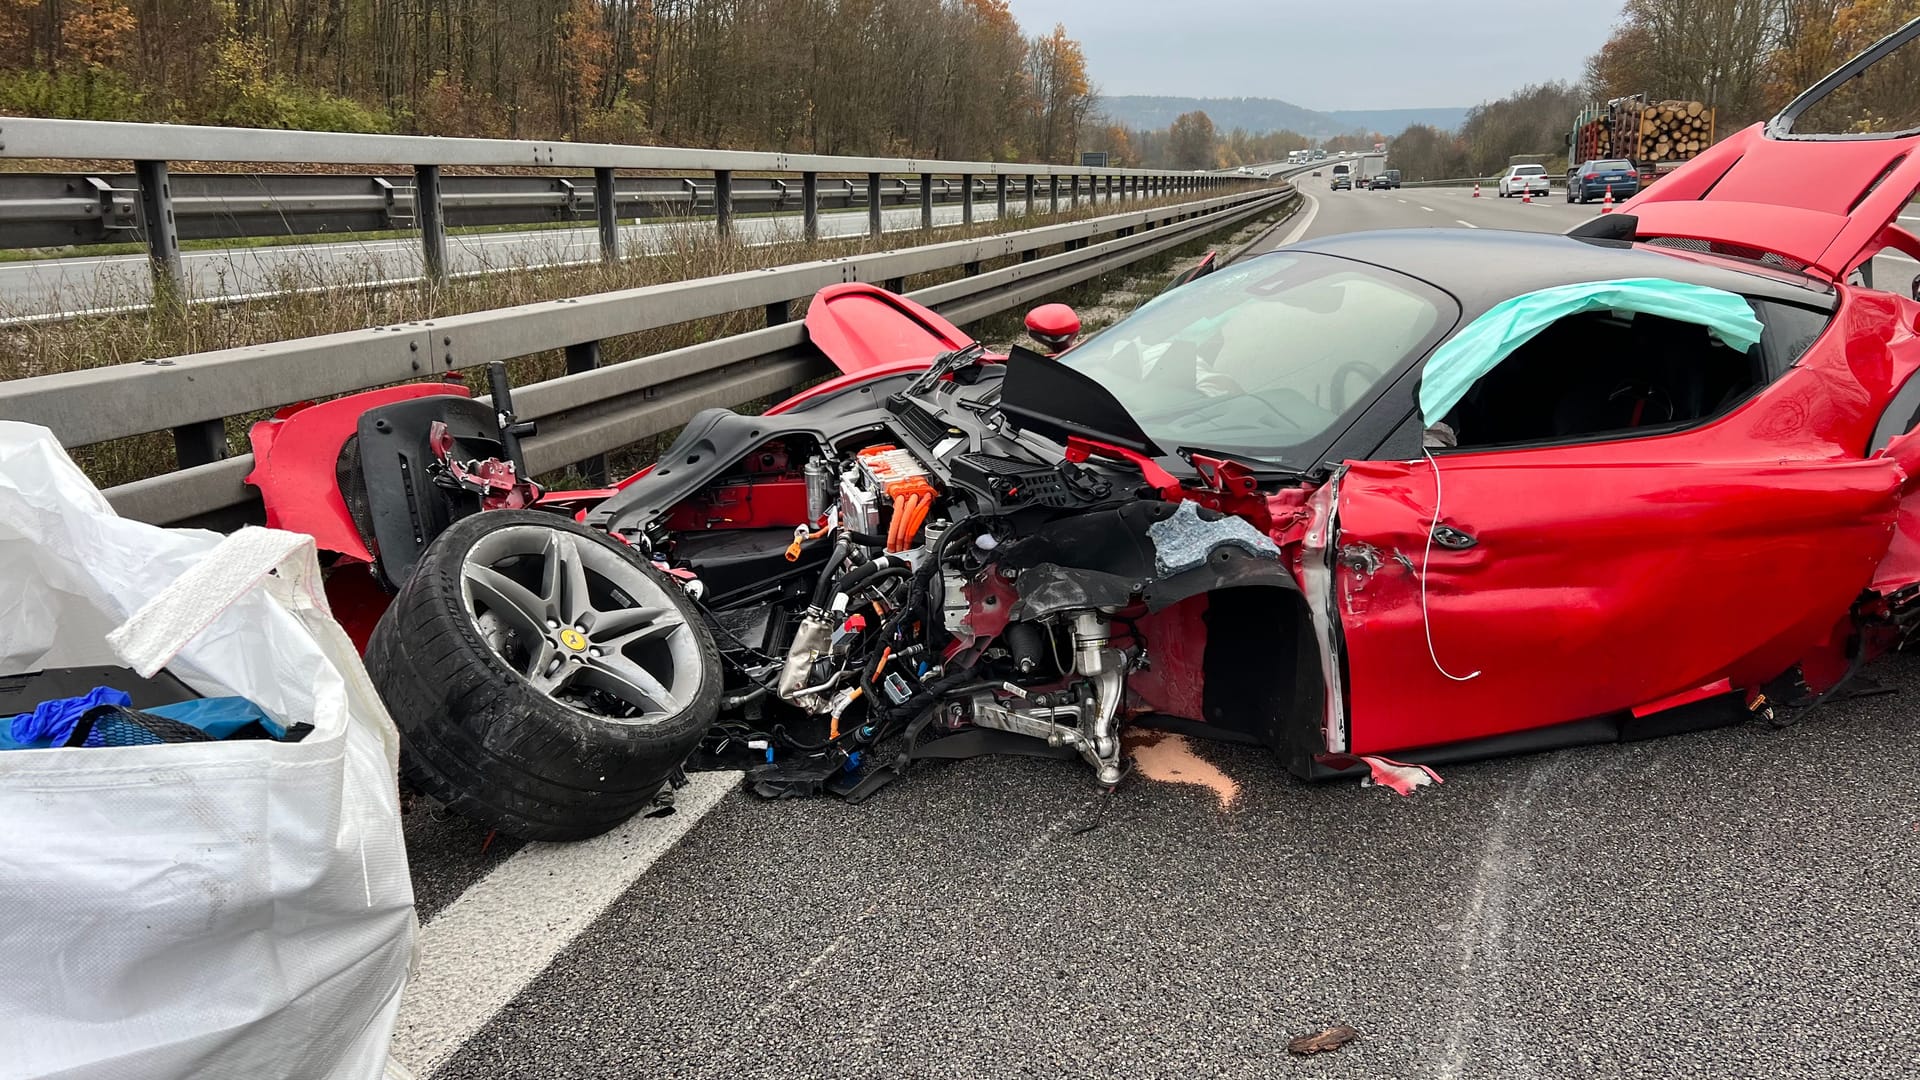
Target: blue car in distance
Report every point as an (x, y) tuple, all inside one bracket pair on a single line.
[(1591, 180)]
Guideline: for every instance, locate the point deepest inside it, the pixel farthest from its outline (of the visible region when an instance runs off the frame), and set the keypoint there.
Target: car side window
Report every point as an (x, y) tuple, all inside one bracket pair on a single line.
[(1599, 375)]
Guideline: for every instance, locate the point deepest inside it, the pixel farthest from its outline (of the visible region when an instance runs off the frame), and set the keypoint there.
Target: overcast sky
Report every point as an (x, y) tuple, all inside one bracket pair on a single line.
[(1328, 54)]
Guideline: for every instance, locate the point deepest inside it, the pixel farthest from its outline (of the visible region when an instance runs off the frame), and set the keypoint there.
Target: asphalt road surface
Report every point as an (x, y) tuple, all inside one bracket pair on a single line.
[(1736, 903), (52, 286)]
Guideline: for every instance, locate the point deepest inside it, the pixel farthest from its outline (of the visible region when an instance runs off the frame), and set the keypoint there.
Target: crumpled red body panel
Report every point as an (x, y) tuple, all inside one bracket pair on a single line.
[(1590, 590), (1618, 575)]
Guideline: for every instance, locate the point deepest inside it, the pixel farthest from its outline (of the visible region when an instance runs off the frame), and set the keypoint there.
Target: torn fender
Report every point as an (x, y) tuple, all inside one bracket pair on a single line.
[(1148, 552)]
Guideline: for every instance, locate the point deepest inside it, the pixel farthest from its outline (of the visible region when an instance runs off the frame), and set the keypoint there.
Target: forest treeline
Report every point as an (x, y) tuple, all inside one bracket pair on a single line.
[(1746, 58), (939, 78)]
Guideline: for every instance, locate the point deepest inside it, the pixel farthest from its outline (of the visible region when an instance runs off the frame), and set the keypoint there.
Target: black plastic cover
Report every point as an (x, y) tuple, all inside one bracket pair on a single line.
[(1050, 398), (405, 508)]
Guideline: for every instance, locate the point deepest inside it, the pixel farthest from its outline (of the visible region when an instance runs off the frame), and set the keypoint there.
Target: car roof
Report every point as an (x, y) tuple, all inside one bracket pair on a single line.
[(1482, 267)]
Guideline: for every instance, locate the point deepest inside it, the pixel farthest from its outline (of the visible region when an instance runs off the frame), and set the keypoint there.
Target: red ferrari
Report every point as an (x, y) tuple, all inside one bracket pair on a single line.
[(1377, 499)]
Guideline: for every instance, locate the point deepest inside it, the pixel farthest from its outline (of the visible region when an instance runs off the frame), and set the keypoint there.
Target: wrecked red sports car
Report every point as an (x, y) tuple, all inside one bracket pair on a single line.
[(1422, 495)]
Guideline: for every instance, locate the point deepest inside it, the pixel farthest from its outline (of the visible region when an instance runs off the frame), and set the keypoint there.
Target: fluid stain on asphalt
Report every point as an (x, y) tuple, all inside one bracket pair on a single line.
[(1171, 759)]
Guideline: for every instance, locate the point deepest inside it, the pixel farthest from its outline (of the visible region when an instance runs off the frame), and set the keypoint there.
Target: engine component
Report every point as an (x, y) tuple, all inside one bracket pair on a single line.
[(812, 640), (893, 471), (820, 488), (1015, 483), (894, 475), (859, 506), (1027, 642), (954, 605), (1107, 669)]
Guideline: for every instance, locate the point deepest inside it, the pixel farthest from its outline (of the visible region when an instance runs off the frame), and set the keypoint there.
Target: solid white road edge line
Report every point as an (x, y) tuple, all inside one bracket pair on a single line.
[(479, 952), (1306, 220)]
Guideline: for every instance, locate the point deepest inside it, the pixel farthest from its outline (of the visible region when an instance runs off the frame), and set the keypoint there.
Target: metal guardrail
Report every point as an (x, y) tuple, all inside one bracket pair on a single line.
[(148, 208), (594, 408), (81, 209), (1458, 181)]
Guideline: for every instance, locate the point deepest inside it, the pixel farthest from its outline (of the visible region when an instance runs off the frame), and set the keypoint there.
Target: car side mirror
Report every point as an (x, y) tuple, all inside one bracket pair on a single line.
[(1915, 288), (1054, 326)]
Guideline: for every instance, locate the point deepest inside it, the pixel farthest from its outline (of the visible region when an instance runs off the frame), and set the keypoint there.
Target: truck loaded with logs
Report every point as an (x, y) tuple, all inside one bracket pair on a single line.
[(1656, 137)]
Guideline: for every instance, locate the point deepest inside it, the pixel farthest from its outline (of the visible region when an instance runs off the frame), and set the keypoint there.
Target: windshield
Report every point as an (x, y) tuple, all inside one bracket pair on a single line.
[(1271, 358), (1611, 166)]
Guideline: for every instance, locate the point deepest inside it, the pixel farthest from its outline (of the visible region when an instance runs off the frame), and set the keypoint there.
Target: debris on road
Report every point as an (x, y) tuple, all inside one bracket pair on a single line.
[(1171, 759), (1319, 1042)]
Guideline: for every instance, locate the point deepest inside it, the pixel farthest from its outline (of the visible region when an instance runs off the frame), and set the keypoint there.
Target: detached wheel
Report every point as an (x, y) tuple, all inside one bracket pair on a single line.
[(545, 680)]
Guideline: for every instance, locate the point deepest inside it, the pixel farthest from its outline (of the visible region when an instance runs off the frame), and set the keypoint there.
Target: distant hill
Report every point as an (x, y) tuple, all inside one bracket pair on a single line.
[(1393, 121), (1259, 115)]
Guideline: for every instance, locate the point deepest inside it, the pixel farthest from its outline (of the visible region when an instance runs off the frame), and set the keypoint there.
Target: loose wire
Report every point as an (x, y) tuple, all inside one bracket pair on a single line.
[(1426, 619)]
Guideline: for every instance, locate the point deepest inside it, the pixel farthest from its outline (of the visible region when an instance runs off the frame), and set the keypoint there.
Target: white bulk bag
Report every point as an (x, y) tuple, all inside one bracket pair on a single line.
[(217, 909)]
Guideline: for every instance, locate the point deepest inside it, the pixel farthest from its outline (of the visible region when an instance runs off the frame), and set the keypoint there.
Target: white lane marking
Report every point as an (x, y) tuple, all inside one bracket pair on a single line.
[(1401, 200), (1306, 220), (1428, 209), (1468, 224), (478, 953)]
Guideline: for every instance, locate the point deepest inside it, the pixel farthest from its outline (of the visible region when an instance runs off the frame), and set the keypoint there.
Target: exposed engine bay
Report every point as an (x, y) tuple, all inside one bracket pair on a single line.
[(928, 565)]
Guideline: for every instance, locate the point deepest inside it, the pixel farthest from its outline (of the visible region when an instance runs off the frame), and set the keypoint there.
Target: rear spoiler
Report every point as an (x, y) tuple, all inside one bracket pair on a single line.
[(1628, 227)]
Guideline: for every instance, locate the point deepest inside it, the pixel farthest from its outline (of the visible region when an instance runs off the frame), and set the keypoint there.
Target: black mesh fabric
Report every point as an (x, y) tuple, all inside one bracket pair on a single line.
[(112, 725), (1732, 251)]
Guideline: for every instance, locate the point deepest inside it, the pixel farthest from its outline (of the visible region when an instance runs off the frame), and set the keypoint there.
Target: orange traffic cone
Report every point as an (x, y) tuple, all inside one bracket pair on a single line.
[(1526, 195), (1476, 191), (1606, 204)]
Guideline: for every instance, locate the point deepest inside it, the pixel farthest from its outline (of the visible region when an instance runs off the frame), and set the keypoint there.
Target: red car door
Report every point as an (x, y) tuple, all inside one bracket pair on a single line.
[(1569, 582)]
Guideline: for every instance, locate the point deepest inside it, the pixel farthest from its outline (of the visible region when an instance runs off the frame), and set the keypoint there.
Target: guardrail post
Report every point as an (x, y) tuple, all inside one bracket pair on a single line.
[(1032, 181), (1053, 194), (1073, 199), (606, 208), (1000, 197), (873, 204), (966, 198), (723, 202), (780, 311), (810, 205), (585, 356), (163, 235), (428, 213), (926, 200)]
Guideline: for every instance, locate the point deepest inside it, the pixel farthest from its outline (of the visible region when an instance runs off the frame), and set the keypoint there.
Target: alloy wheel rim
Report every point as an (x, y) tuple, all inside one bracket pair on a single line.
[(580, 623)]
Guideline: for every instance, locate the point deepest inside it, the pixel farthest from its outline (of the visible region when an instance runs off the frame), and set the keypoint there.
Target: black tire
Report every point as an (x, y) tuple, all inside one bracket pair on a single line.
[(479, 737)]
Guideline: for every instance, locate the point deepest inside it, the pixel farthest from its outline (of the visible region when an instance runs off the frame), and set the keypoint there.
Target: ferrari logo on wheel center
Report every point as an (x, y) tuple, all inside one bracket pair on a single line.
[(573, 639)]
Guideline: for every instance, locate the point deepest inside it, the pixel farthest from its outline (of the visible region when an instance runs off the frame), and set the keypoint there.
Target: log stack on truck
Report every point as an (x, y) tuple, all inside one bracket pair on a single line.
[(1657, 137)]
